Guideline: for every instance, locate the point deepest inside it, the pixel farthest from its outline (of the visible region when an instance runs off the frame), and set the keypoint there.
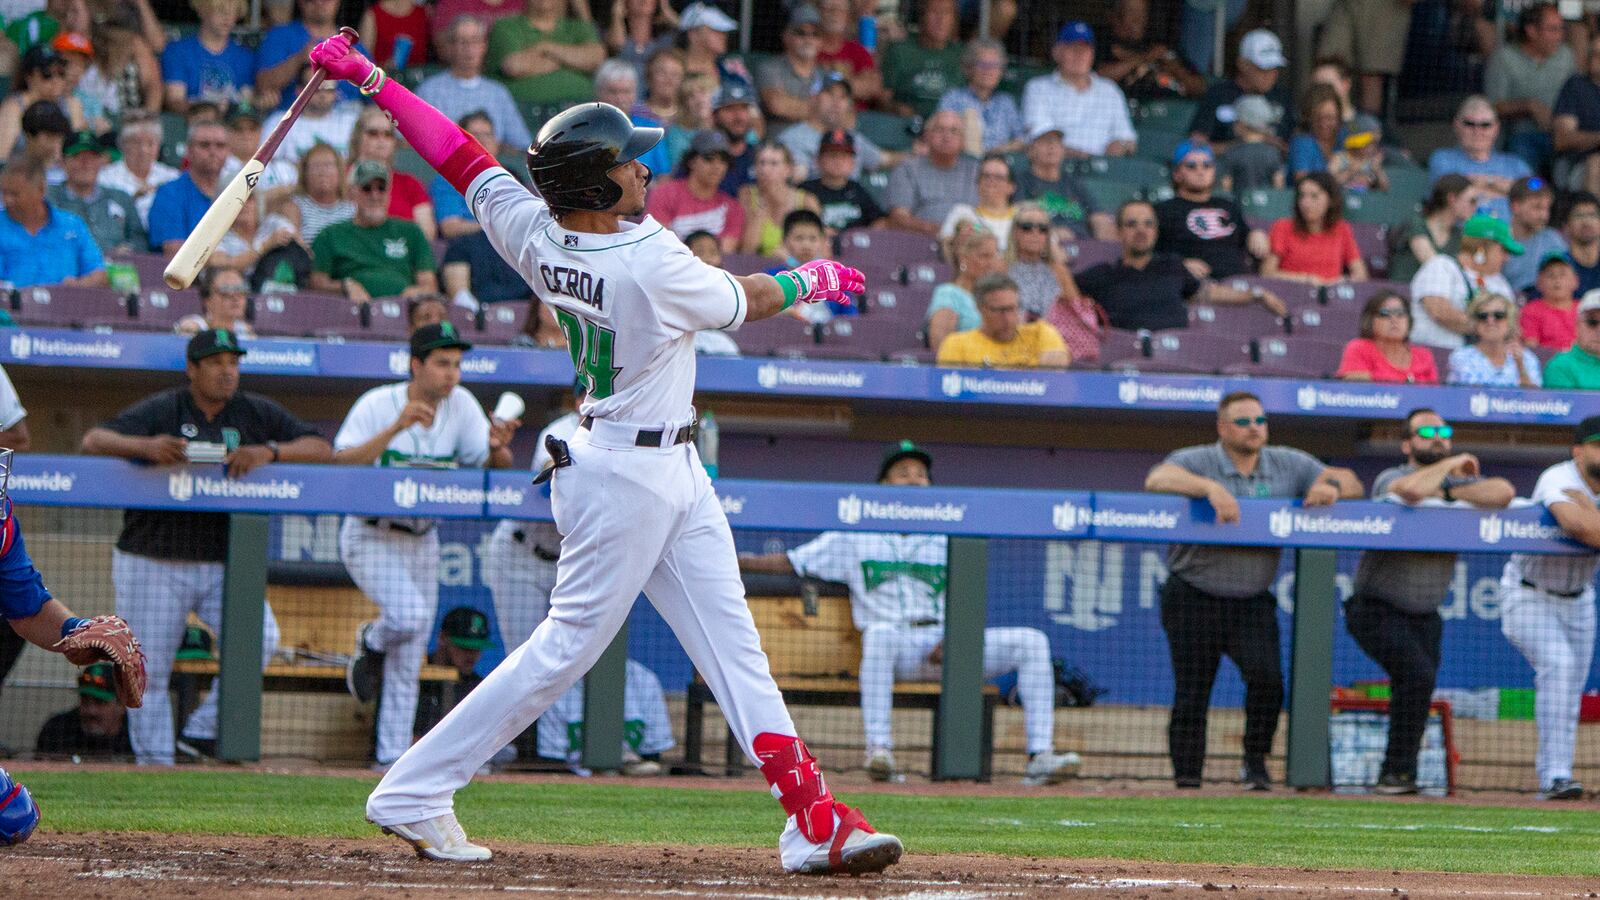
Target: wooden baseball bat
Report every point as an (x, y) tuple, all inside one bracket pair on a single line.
[(214, 225)]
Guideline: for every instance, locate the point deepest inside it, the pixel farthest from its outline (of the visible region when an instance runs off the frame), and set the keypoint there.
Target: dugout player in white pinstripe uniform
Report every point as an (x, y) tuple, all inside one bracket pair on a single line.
[(1547, 609), (430, 421)]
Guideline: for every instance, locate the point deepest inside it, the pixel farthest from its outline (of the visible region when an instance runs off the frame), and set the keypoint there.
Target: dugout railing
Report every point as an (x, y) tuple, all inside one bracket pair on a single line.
[(987, 527)]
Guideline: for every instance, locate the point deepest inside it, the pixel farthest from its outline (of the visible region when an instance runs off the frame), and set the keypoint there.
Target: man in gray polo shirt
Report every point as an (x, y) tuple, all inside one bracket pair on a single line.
[(1217, 600), (1393, 611)]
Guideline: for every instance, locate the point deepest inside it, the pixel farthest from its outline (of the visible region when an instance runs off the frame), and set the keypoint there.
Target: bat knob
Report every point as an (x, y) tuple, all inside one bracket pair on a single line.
[(350, 33)]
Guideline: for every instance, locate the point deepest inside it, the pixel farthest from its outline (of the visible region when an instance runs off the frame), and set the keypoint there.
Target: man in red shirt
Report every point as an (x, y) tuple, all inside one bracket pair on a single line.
[(842, 53)]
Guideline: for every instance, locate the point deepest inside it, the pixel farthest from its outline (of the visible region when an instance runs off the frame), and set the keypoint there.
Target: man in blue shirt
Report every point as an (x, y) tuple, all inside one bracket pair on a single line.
[(209, 65), (181, 202), (283, 53), (39, 244), (1491, 172)]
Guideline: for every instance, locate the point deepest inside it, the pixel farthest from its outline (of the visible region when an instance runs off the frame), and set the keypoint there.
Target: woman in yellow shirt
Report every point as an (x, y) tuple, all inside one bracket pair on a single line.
[(769, 198)]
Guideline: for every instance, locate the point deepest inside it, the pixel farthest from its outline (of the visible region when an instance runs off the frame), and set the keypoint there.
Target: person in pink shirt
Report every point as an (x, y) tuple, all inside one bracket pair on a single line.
[(1384, 351), (1551, 320), (691, 202), (1316, 244), (485, 11)]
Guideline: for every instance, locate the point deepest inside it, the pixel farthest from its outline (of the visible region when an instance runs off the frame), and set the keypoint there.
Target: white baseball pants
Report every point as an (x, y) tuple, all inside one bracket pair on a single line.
[(635, 519), (1556, 636), (400, 572), (156, 596), (901, 651), (521, 583)]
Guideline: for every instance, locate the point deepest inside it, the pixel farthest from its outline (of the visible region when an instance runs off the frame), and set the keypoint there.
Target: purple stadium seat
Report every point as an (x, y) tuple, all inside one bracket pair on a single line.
[(886, 243), (1290, 357), (766, 336), (877, 335), (67, 307), (381, 319), (1333, 323), (148, 265), (1294, 293), (160, 307), (748, 263), (1181, 351), (1356, 293), (1372, 239), (894, 301), (912, 356), (502, 322), (1247, 321), (303, 314), (828, 351), (1087, 253)]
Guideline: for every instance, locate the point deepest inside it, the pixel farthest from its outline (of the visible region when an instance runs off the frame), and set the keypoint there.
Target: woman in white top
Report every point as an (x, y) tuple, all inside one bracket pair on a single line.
[(1036, 261), (1444, 285), (994, 210), (1496, 358), (320, 202)]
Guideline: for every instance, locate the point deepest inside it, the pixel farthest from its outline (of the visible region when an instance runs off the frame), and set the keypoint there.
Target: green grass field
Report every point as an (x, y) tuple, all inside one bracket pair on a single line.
[(1275, 830)]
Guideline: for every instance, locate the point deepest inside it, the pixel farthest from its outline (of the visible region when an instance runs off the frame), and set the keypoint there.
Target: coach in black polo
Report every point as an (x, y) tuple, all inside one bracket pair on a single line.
[(168, 563), (1217, 600)]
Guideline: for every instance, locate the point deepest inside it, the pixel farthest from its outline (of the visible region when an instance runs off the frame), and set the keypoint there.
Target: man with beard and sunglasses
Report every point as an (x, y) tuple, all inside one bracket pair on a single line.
[(1547, 609), (1393, 610)]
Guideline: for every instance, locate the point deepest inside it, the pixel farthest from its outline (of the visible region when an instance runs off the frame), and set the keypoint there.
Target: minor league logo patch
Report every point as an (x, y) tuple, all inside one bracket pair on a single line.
[(570, 240)]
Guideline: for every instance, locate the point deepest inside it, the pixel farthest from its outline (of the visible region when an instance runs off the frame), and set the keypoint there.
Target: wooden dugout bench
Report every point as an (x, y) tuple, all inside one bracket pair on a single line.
[(814, 652)]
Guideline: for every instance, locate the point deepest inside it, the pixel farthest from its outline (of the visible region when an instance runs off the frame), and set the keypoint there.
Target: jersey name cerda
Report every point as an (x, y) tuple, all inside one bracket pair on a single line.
[(628, 303)]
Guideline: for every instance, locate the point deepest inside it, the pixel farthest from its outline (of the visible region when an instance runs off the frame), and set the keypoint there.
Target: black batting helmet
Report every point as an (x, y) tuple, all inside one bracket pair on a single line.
[(574, 151)]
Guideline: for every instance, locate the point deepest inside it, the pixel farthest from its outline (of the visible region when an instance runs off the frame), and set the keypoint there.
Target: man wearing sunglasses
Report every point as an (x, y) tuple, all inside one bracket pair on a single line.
[(1490, 171), (1579, 367), (1547, 609), (1218, 600), (373, 255), (1208, 231), (1393, 610)]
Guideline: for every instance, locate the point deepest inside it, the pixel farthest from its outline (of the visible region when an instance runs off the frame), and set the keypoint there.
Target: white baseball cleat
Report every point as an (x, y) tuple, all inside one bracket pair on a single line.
[(439, 838), (880, 765), (1051, 768), (861, 851)]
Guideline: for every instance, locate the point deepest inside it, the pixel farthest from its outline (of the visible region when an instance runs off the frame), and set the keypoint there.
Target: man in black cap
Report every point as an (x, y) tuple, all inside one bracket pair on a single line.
[(167, 563), (429, 422), (108, 212), (833, 108), (846, 203), (897, 584), (733, 112), (1547, 609), (97, 727)]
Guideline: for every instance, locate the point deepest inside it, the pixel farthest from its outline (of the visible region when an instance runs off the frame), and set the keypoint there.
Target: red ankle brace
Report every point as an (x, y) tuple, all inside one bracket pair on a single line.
[(790, 767)]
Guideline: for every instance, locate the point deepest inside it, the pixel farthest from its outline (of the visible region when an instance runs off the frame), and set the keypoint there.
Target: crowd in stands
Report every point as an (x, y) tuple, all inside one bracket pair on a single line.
[(1119, 188)]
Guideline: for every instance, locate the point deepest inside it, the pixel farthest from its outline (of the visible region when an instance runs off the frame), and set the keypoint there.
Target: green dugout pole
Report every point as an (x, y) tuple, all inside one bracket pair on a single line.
[(244, 595), (1311, 667), (960, 728), (602, 706)]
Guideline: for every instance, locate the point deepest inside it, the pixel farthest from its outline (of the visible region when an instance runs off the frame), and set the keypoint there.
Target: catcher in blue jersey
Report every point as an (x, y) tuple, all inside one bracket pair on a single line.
[(29, 609)]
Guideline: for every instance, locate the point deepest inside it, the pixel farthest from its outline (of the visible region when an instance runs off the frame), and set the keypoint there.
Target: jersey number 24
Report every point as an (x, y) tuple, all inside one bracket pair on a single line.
[(592, 349)]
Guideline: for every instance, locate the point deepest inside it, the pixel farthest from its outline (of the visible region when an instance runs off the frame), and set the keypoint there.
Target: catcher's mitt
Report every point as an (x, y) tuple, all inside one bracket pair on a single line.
[(110, 639)]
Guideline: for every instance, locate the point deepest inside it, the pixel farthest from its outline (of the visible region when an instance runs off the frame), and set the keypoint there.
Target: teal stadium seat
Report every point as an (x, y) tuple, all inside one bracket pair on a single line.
[(174, 132), (1408, 182), (1172, 115), (1267, 203), (887, 130), (1158, 145), (1110, 193), (1382, 208), (1131, 169)]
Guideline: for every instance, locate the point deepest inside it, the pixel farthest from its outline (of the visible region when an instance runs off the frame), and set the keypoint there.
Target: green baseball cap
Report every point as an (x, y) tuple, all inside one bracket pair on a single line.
[(467, 628), (903, 450), (88, 142), (196, 643), (367, 171), (1588, 430), (437, 336), (98, 681), (1490, 228)]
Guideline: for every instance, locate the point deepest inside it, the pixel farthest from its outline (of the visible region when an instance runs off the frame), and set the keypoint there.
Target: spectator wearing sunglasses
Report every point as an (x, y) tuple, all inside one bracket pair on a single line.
[(1208, 231), (1579, 367), (1531, 199), (1218, 600), (1444, 285), (1491, 172), (1384, 351), (1496, 357), (1393, 611), (373, 254)]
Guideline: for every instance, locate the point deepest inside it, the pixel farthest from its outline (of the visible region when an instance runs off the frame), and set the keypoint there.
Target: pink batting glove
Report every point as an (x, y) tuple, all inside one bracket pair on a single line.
[(824, 279), (341, 61)]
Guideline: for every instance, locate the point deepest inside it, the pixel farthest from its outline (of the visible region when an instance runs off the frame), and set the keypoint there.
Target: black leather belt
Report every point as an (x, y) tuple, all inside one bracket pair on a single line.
[(1528, 584), (652, 438), (926, 623), (521, 537), (401, 527)]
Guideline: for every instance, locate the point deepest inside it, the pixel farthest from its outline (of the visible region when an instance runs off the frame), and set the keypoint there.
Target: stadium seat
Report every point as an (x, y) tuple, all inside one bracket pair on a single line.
[(894, 301), (406, 160), (174, 133), (1129, 169), (763, 338), (1249, 320), (1109, 193), (1372, 239), (1333, 323), (1408, 182), (748, 263), (1157, 144), (1386, 209), (493, 323), (1086, 253), (1354, 294), (379, 319), (68, 307), (1171, 115), (886, 243), (877, 335), (887, 130), (304, 314), (828, 351), (1268, 204), (1294, 293), (877, 185), (160, 307), (1288, 357), (1181, 351), (149, 266)]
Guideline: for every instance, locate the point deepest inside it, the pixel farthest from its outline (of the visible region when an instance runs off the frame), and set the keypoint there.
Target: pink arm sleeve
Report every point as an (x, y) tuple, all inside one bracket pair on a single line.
[(440, 142)]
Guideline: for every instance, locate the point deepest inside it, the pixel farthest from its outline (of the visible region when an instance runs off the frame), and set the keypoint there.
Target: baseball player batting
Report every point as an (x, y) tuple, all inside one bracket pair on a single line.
[(46, 622), (629, 494)]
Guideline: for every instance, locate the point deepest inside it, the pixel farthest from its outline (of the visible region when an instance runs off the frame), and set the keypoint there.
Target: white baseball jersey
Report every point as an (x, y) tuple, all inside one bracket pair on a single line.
[(634, 351), (894, 579), (459, 435), (11, 411), (1560, 574)]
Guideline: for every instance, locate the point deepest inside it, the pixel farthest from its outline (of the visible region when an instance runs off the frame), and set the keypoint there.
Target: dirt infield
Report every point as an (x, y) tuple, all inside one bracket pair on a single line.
[(159, 866)]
